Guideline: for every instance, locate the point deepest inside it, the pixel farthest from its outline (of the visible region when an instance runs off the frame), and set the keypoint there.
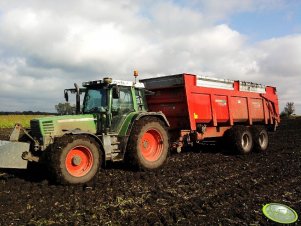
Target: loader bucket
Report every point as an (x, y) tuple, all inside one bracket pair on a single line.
[(11, 154)]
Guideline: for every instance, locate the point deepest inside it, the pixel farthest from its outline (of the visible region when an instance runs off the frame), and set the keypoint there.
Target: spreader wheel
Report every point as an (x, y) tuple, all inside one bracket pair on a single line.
[(74, 159), (148, 144), (261, 138), (240, 139)]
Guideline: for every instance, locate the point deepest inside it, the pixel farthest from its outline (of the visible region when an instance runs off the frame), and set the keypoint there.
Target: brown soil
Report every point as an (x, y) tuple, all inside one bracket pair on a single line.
[(193, 188)]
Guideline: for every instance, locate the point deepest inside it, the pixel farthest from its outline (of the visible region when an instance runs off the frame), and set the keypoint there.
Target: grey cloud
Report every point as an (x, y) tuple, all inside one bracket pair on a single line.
[(282, 56), (46, 46)]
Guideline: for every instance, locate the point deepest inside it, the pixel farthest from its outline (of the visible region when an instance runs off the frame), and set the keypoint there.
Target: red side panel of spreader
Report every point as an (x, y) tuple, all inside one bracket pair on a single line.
[(172, 102), (188, 100)]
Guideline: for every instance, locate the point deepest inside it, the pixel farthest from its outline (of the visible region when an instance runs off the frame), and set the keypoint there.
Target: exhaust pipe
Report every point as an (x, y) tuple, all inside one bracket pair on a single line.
[(77, 99)]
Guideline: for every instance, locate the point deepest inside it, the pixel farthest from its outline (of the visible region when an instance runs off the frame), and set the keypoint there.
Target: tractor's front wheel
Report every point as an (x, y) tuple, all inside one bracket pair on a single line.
[(74, 160), (148, 144)]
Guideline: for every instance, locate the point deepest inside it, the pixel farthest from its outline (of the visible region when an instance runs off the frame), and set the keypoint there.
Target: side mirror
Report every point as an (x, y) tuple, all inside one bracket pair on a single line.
[(115, 92), (66, 95)]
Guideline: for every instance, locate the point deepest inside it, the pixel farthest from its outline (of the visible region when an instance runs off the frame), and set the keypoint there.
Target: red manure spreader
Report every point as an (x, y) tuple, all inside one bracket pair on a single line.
[(203, 108)]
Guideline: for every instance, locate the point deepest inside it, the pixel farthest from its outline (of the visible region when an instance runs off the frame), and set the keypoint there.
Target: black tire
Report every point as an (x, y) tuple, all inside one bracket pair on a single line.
[(240, 139), (148, 144), (74, 159), (261, 138)]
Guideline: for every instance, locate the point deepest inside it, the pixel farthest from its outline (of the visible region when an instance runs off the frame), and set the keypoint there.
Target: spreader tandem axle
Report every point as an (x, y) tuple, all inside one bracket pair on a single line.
[(139, 122)]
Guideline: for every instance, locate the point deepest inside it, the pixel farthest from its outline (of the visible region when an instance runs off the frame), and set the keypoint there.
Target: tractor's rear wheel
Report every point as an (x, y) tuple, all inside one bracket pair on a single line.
[(261, 138), (148, 144), (74, 160)]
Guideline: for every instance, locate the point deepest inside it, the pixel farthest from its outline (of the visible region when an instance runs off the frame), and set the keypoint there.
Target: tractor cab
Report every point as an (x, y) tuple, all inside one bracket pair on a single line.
[(111, 101), (109, 95)]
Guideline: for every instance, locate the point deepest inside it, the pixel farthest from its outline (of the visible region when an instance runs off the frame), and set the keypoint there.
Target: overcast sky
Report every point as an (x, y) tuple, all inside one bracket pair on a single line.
[(46, 46)]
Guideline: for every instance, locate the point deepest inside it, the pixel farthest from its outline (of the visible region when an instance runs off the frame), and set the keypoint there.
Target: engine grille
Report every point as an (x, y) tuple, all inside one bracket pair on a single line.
[(48, 127)]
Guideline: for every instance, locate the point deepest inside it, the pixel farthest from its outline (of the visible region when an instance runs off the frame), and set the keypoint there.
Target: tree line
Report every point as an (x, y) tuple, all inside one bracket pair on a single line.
[(25, 113), (69, 109)]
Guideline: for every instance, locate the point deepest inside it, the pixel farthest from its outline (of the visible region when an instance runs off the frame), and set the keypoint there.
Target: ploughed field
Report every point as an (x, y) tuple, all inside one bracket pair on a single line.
[(205, 187)]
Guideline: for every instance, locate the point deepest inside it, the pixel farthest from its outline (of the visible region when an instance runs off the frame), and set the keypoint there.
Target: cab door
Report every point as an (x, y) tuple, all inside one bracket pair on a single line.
[(121, 107)]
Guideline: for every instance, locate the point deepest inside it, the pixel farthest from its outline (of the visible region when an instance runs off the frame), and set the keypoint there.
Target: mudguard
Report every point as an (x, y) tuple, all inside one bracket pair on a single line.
[(156, 114)]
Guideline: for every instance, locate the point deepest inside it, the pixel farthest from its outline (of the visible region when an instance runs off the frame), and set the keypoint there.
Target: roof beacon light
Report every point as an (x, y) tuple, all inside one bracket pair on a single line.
[(135, 75), (107, 80)]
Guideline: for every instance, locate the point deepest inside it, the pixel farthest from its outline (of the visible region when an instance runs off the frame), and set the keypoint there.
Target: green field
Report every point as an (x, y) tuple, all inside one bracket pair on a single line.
[(9, 121)]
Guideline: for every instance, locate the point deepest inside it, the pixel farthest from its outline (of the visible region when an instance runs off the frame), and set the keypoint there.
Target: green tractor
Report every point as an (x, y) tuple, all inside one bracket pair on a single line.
[(112, 125)]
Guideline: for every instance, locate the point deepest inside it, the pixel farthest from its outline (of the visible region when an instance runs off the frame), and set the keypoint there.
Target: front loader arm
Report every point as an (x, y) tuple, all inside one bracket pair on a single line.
[(15, 135)]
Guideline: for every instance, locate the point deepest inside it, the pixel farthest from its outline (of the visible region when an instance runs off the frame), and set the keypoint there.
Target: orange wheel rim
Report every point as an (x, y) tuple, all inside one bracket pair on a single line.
[(79, 161), (151, 145)]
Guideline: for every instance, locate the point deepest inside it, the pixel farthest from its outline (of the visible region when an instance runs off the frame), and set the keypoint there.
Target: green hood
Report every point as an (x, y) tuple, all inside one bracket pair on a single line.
[(58, 125)]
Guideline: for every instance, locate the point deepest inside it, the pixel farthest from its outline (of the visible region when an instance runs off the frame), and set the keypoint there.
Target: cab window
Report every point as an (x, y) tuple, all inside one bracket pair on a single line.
[(125, 102), (95, 100)]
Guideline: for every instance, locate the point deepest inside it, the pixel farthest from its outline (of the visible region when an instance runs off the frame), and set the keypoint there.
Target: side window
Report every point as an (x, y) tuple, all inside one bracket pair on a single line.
[(140, 98), (125, 102)]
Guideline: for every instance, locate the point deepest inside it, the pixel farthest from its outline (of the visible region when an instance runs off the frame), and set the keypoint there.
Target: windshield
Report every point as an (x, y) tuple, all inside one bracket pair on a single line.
[(95, 100)]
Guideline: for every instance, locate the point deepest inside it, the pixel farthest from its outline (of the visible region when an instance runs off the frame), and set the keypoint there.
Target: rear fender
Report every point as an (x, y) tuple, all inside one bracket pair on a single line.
[(159, 115)]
